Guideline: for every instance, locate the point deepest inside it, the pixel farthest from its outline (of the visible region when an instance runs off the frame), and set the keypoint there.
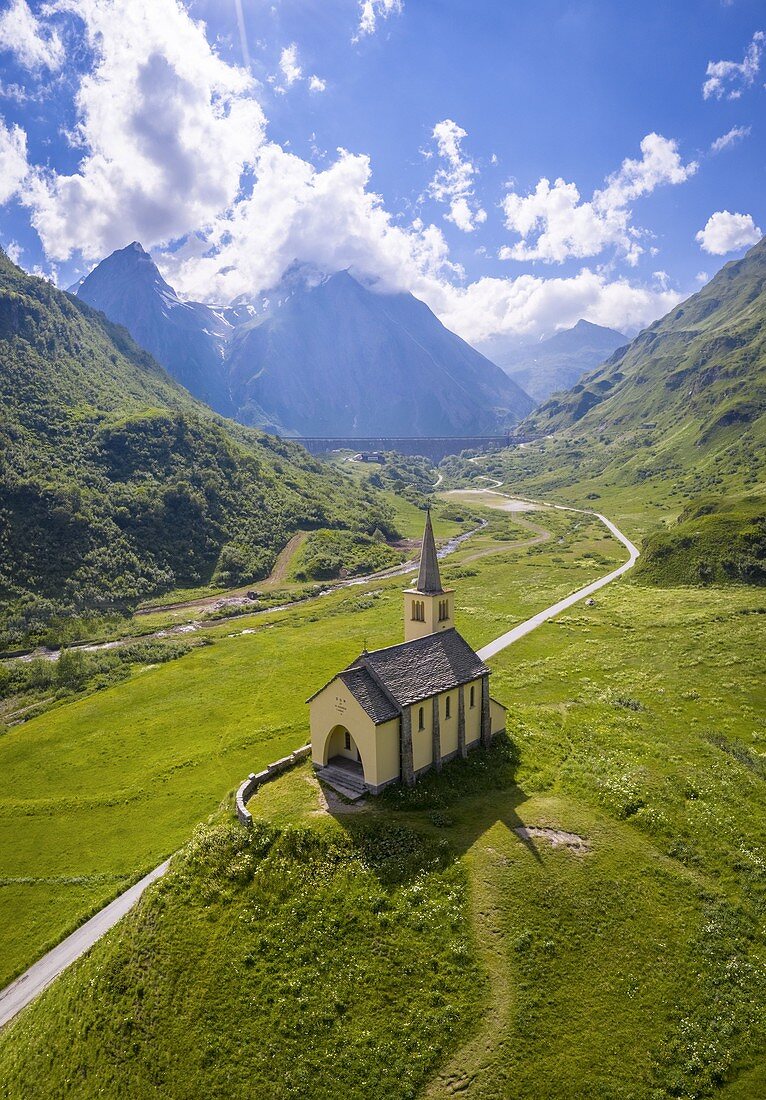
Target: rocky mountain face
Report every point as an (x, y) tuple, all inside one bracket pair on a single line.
[(187, 338), (557, 363), (316, 356), (338, 359)]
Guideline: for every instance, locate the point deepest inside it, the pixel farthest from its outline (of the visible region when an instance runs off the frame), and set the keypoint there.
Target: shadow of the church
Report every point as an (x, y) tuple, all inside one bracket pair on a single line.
[(400, 840)]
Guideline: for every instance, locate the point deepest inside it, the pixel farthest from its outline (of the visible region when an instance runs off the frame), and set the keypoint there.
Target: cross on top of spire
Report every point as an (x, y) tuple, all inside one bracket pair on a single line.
[(429, 580)]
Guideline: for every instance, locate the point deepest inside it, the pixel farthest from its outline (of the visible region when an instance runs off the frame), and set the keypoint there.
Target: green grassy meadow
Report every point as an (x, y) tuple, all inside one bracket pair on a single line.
[(100, 789), (434, 948)]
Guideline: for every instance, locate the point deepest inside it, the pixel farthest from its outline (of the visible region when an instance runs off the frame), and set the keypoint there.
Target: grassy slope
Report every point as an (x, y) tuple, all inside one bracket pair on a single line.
[(712, 540), (680, 412), (108, 785), (631, 972), (696, 379)]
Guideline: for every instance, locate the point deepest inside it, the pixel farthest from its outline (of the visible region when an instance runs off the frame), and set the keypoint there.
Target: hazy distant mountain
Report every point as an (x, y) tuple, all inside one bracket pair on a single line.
[(187, 338), (335, 358), (318, 355), (558, 362)]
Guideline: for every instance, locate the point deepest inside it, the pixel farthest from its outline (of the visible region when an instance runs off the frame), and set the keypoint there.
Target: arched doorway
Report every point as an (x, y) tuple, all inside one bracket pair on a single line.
[(340, 743), (341, 752)]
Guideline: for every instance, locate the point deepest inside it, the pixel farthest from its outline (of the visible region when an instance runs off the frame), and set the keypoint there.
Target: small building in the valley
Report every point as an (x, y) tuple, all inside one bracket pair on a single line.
[(397, 712)]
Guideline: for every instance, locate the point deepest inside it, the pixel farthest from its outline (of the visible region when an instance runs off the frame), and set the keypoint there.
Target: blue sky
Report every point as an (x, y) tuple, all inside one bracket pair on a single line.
[(126, 119)]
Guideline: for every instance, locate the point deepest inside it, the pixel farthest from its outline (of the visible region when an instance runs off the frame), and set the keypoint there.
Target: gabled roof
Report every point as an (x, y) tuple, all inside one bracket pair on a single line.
[(388, 679), (379, 706), (429, 580), (424, 667)]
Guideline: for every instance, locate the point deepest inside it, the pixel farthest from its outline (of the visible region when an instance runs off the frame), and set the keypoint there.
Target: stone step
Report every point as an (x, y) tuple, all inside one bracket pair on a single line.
[(353, 782), (346, 783)]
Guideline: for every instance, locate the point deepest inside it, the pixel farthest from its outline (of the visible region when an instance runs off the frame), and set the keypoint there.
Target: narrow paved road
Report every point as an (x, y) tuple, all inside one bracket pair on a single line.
[(33, 981), (19, 994), (582, 593)]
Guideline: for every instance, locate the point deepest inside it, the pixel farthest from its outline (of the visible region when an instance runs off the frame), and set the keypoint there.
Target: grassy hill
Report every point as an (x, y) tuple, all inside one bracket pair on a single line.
[(705, 362), (424, 948), (101, 788), (115, 484), (714, 540)]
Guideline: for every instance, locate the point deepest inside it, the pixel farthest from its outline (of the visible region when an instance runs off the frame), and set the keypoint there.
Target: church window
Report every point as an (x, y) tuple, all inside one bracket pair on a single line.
[(347, 741), (472, 700), (447, 707), (421, 719)]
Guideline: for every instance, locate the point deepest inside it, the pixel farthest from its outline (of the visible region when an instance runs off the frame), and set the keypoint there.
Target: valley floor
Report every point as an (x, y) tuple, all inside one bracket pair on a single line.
[(437, 943)]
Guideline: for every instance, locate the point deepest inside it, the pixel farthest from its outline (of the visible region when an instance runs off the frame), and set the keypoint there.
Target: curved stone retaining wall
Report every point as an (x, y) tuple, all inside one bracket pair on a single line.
[(247, 789)]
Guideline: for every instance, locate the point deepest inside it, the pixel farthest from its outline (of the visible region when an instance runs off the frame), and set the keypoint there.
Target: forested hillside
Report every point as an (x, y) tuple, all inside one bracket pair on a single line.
[(115, 484)]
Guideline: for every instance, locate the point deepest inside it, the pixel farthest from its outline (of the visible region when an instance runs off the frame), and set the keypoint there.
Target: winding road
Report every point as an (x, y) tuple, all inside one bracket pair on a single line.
[(33, 981)]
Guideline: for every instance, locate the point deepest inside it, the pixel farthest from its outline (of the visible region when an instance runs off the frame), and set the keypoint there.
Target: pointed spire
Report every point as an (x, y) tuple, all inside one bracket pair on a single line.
[(428, 574)]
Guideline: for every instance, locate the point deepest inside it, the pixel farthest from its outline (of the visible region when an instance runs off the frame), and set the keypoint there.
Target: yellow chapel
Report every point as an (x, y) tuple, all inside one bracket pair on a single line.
[(397, 712)]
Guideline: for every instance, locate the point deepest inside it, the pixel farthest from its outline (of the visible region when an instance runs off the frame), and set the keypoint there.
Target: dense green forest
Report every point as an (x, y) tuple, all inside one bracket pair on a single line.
[(116, 485)]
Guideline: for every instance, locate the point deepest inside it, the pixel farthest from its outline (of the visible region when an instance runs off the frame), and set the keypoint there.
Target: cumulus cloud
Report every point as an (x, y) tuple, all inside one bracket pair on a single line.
[(167, 129), (291, 73), (554, 224), (454, 182), (14, 252), (725, 232), (34, 45), (328, 219), (174, 153), (728, 79), (731, 137), (530, 306), (13, 160), (370, 11)]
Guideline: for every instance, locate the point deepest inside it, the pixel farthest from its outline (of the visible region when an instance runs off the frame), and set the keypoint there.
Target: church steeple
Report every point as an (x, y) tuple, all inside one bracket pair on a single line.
[(428, 607), (429, 579)]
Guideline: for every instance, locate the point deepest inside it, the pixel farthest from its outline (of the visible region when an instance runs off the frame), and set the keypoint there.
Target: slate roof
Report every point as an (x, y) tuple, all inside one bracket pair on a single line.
[(379, 706), (386, 680), (429, 579)]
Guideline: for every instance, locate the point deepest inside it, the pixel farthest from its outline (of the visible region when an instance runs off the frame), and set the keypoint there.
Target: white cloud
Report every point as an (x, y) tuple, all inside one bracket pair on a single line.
[(13, 160), (291, 72), (173, 151), (14, 251), (328, 219), (167, 129), (531, 306), (454, 183), (34, 45), (370, 11), (728, 79), (288, 63), (725, 232), (731, 137), (555, 225)]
